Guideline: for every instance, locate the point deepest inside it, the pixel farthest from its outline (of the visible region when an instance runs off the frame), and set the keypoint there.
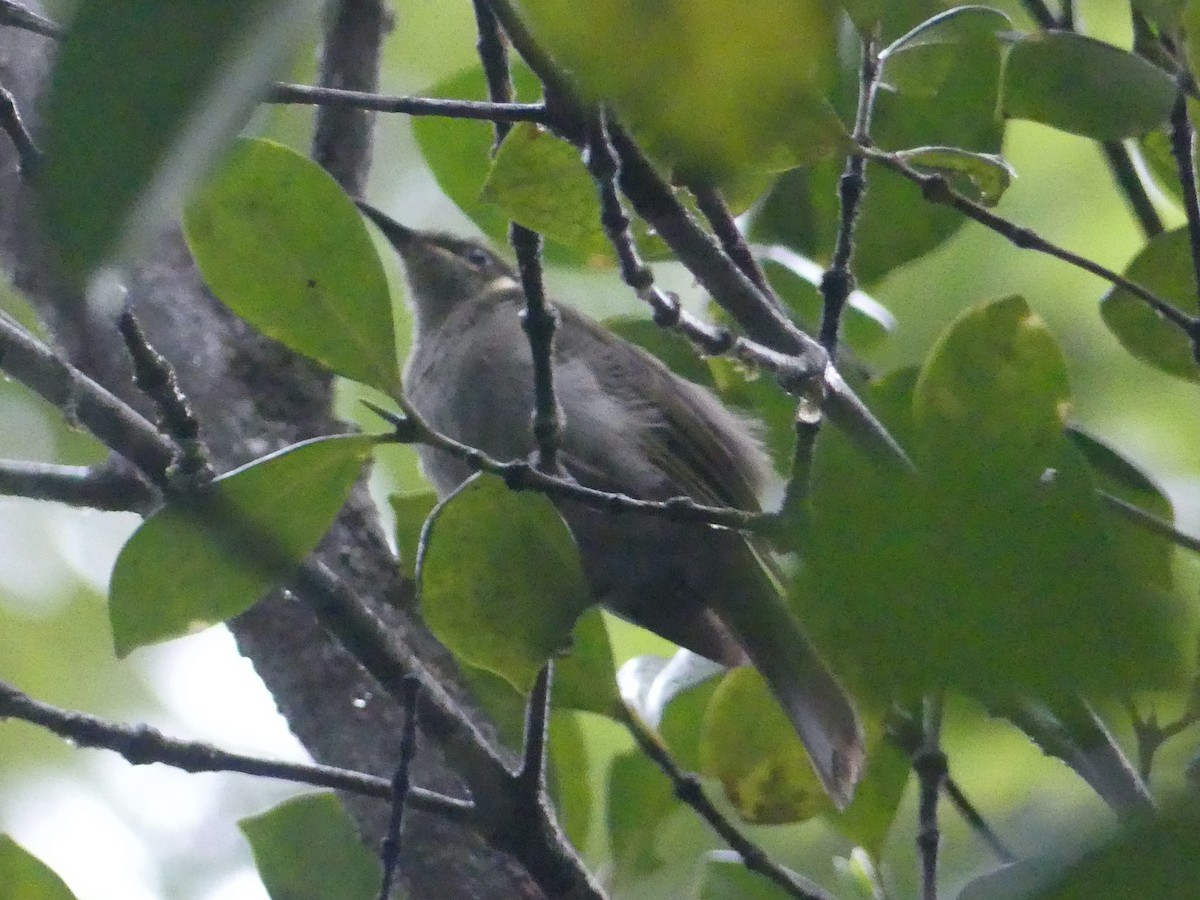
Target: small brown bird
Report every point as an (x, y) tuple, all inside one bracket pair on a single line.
[(629, 425)]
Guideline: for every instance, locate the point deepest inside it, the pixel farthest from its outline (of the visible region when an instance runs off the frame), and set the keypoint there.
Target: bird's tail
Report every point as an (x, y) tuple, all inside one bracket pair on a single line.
[(819, 708)]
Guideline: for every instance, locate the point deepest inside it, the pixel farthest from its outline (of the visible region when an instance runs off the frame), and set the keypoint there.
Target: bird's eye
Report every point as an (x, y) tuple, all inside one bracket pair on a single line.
[(478, 257)]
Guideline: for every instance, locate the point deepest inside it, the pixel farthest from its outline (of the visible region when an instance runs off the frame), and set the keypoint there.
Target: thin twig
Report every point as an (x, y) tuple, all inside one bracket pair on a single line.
[(1040, 13), (936, 189), (531, 777), (539, 320), (1151, 736), (1126, 175), (1182, 147), (389, 854), (413, 106), (978, 824), (903, 731), (931, 767), (103, 487), (519, 475), (838, 282), (143, 744), (688, 789), (155, 377), (493, 57), (29, 157), (711, 203), (1138, 516), (84, 402)]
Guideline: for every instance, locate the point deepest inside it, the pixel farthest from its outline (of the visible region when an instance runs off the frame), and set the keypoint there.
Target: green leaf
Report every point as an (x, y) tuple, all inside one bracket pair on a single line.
[(1159, 857), (25, 877), (411, 510), (541, 182), (710, 88), (801, 211), (203, 559), (572, 789), (307, 849), (458, 153), (987, 175), (867, 821), (1163, 266), (996, 383), (639, 797), (143, 95), (280, 244), (586, 678), (1084, 86), (920, 61), (500, 579), (749, 744), (994, 566)]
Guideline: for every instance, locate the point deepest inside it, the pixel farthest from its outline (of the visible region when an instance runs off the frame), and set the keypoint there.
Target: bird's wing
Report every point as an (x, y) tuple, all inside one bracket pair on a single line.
[(702, 449)]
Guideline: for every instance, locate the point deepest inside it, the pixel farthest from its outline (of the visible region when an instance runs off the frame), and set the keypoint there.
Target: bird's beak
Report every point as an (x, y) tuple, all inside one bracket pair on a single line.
[(401, 237)]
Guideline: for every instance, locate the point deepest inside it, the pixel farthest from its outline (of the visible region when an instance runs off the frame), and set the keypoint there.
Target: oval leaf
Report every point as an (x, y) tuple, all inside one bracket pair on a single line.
[(458, 152), (988, 175), (586, 678), (1164, 266), (280, 244), (749, 744), (334, 863), (1027, 591), (144, 93), (500, 579), (996, 382), (541, 182), (1085, 86), (24, 875), (639, 797), (702, 95), (918, 62), (200, 561), (801, 210)]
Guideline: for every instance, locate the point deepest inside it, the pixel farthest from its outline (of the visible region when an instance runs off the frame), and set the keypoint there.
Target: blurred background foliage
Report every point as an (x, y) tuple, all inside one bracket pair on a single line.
[(112, 830)]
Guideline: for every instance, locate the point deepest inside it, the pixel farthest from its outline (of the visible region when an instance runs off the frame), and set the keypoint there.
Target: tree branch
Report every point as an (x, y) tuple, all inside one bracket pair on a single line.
[(84, 402), (414, 106), (105, 487), (141, 745), (936, 189)]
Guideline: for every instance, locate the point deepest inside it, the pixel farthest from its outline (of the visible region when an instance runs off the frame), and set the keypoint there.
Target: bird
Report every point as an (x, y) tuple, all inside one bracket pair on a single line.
[(628, 425)]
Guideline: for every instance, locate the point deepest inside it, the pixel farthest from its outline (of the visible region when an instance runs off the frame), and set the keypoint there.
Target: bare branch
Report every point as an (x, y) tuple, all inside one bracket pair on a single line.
[(104, 487), (141, 745)]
